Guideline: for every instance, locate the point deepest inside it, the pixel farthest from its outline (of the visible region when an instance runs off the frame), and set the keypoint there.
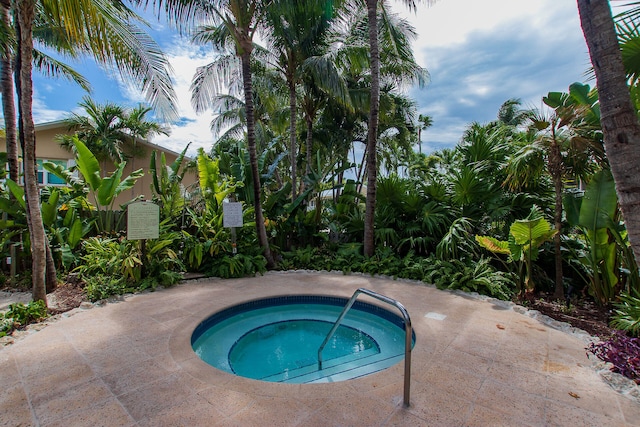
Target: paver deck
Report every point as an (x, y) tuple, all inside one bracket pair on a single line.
[(131, 364)]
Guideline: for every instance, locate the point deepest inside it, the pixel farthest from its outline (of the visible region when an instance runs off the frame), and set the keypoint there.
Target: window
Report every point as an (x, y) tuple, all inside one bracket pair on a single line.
[(46, 178)]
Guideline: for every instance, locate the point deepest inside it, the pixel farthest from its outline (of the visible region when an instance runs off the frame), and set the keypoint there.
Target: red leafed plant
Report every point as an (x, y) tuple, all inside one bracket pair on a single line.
[(622, 351)]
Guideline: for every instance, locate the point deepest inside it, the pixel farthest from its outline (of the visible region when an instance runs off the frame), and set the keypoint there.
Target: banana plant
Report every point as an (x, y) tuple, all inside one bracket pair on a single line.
[(166, 183), (104, 190), (525, 238), (609, 257)]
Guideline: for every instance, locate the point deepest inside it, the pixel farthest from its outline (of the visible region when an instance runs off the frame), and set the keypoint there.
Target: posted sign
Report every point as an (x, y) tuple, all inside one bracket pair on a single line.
[(232, 214), (143, 221)]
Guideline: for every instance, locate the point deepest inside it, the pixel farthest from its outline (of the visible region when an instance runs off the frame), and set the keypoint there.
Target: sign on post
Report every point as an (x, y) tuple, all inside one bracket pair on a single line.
[(232, 218), (232, 214), (143, 221)]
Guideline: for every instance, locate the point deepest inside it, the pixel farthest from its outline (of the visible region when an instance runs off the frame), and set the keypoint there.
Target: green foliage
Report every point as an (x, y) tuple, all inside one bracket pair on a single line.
[(167, 184), (21, 315), (238, 265), (525, 238), (627, 314), (102, 286), (468, 276), (608, 255), (113, 266), (104, 190), (458, 241)]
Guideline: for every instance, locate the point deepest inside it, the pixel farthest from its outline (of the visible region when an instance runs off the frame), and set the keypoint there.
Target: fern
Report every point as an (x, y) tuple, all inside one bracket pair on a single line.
[(627, 314)]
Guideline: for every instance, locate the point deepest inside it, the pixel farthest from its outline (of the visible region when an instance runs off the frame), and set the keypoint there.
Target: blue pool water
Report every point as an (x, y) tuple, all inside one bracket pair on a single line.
[(277, 339)]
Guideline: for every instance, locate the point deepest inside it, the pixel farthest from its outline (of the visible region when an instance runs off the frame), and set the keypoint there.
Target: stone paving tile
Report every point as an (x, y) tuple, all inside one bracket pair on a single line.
[(480, 365), (363, 411), (145, 401), (134, 376), (191, 412), (529, 407), (630, 410), (558, 414), (57, 405), (14, 407), (108, 413), (439, 407), (483, 417)]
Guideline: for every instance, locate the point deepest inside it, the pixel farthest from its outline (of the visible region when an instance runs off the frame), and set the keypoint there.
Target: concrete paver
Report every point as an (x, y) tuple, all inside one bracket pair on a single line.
[(475, 363)]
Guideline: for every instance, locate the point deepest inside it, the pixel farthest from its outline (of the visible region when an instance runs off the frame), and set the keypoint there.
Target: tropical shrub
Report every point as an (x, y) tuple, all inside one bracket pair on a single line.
[(607, 256), (480, 277), (102, 286), (115, 266), (104, 190), (21, 315), (621, 351), (627, 314), (525, 238), (166, 186)]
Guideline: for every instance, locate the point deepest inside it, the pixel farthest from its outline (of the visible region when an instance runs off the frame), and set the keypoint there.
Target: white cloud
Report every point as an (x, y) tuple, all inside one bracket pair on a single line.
[(192, 128)]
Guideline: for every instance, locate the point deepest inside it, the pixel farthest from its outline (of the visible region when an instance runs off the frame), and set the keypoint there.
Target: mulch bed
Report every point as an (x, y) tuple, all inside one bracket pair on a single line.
[(582, 313)]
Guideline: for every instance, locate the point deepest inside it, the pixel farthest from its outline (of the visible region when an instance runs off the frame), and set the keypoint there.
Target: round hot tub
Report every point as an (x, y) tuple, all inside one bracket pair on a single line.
[(277, 339)]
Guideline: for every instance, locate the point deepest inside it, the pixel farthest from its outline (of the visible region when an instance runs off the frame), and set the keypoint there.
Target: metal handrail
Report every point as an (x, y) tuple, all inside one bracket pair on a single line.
[(407, 331)]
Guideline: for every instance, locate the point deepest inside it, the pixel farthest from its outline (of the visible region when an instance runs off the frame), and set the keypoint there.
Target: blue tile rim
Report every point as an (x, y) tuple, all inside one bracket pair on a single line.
[(295, 299)]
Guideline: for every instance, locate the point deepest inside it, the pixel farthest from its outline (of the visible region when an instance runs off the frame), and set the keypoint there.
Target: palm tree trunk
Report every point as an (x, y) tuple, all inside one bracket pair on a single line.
[(8, 104), (309, 143), (26, 14), (372, 134), (618, 116), (555, 169), (253, 157), (293, 113)]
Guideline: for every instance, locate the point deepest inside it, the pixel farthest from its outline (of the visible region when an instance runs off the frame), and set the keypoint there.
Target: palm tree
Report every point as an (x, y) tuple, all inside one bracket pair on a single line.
[(620, 124), (105, 30), (372, 130), (424, 123), (295, 33), (566, 144), (101, 130), (238, 21)]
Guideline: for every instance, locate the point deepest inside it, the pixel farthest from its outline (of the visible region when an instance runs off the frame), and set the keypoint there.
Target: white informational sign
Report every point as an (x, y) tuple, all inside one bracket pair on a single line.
[(232, 214), (143, 221)]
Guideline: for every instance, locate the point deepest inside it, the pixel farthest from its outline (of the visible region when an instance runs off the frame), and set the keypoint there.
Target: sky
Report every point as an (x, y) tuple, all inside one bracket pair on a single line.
[(479, 54)]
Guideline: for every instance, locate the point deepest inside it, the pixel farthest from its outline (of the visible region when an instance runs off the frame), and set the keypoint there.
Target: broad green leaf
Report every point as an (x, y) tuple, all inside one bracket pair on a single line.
[(75, 233), (107, 189), (17, 191), (572, 204), (494, 245), (526, 231), (49, 209), (154, 173), (580, 93), (128, 182), (87, 164), (599, 203)]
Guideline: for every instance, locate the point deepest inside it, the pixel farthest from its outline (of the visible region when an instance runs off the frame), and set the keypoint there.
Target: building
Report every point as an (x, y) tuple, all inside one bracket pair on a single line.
[(48, 149)]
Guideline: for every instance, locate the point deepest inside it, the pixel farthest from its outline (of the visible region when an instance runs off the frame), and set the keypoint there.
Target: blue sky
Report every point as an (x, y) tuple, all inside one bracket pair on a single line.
[(479, 54)]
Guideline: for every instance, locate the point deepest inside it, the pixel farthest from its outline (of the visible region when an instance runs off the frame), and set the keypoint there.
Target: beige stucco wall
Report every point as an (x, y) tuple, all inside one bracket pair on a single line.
[(48, 148)]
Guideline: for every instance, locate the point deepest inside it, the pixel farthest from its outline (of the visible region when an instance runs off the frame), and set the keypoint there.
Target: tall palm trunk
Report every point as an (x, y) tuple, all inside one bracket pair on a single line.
[(556, 172), (8, 104), (618, 116), (309, 143), (253, 157), (372, 134), (293, 143), (26, 14)]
